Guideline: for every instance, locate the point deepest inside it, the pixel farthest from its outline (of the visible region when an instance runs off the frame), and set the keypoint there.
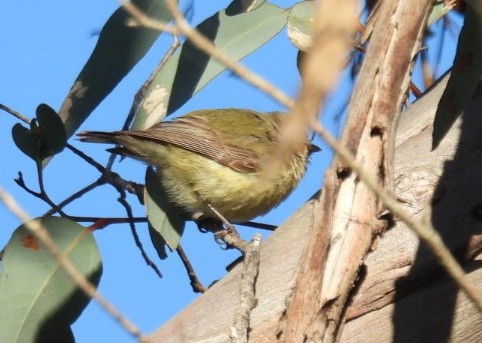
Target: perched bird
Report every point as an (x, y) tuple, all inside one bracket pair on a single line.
[(214, 157)]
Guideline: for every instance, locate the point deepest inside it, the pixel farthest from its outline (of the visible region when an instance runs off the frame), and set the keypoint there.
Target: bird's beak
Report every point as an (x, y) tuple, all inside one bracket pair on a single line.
[(313, 148)]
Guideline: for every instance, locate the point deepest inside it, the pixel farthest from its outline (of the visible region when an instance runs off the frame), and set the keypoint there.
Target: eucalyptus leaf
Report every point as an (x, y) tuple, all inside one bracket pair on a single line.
[(28, 143), (190, 69), (45, 138), (117, 51), (37, 298), (52, 130), (164, 217), (300, 24), (242, 6), (158, 242), (439, 9)]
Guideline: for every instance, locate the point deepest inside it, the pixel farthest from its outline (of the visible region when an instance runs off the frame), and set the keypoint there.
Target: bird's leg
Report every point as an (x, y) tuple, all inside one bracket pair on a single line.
[(206, 224), (230, 227), (227, 233)]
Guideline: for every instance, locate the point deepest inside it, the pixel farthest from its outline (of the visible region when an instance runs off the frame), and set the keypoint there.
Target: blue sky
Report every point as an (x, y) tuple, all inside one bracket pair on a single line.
[(44, 46)]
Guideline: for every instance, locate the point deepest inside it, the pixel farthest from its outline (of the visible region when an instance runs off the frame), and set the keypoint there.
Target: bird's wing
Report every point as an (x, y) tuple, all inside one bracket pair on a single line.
[(194, 133)]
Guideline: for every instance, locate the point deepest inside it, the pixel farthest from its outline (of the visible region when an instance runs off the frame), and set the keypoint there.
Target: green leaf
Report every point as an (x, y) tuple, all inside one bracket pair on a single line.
[(158, 242), (165, 218), (45, 138), (117, 51), (465, 76), (52, 130), (300, 24), (61, 334), (27, 142), (242, 6), (439, 9), (37, 298), (190, 69)]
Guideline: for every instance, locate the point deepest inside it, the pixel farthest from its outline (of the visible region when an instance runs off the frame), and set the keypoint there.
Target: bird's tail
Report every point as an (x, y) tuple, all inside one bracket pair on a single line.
[(107, 137), (98, 137)]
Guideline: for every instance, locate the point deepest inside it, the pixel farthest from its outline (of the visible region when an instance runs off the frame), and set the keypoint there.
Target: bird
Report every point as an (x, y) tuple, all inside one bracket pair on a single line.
[(213, 159)]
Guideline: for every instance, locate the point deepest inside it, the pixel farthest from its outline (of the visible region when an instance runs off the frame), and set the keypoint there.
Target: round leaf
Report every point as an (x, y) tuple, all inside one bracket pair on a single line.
[(37, 298), (26, 141), (52, 130)]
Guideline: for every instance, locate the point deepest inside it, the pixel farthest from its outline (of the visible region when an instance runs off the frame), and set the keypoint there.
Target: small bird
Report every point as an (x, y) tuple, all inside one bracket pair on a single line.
[(214, 158)]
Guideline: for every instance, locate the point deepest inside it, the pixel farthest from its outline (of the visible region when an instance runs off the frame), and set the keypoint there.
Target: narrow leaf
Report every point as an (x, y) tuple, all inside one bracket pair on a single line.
[(164, 217), (190, 69), (439, 9), (158, 242), (117, 51)]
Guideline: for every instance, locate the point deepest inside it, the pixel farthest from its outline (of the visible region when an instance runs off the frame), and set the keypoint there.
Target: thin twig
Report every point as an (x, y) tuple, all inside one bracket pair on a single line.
[(121, 185), (76, 276), (108, 220), (15, 114), (21, 182), (196, 284), (424, 230), (122, 200), (42, 195), (111, 177), (75, 196), (86, 158)]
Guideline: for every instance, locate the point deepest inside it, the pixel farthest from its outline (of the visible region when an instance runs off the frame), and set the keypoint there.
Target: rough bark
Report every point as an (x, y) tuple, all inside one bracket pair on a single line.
[(406, 297), (351, 216)]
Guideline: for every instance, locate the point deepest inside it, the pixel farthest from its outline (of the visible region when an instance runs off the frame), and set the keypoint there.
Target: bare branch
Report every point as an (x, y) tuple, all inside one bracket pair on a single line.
[(196, 285), (15, 113), (247, 301)]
